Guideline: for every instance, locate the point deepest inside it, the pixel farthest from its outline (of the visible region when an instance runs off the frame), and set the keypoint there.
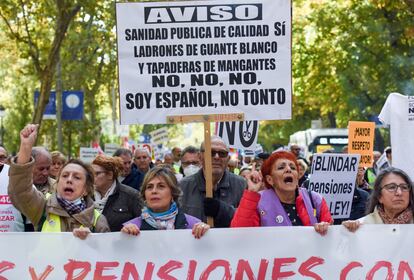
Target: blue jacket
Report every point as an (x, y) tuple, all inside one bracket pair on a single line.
[(134, 179)]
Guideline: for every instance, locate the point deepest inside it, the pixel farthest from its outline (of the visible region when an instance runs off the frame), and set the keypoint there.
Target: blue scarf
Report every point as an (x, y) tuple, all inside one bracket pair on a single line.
[(164, 220)]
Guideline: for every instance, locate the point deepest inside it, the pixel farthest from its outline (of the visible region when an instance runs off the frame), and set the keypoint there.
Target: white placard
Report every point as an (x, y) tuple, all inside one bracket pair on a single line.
[(159, 136), (110, 148), (239, 135), (88, 154), (333, 176), (373, 252), (204, 57)]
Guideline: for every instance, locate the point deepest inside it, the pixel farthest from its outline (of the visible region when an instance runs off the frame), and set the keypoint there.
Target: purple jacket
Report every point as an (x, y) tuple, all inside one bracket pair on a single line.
[(182, 221), (272, 212)]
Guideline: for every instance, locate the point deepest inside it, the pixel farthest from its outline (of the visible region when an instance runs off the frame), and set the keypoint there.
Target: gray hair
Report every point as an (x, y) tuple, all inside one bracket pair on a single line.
[(376, 194)]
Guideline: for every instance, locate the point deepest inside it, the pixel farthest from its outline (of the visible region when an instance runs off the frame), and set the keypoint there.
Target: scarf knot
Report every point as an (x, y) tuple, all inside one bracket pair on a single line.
[(164, 220)]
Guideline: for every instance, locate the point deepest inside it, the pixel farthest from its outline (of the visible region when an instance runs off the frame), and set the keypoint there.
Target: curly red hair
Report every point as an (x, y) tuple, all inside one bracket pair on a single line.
[(268, 163)]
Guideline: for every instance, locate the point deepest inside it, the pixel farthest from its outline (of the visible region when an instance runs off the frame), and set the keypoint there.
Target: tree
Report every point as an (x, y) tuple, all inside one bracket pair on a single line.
[(347, 56), (26, 22)]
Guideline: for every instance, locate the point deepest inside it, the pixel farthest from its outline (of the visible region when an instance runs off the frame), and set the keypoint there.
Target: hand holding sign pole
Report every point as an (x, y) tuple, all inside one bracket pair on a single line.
[(206, 119)]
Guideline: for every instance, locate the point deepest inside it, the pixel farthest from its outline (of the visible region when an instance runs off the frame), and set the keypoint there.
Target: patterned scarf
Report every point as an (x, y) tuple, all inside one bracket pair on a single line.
[(100, 201), (72, 207), (404, 217), (164, 220)]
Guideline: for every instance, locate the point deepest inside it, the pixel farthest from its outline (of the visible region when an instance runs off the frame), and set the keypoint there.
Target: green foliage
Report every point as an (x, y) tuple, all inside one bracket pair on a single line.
[(348, 56)]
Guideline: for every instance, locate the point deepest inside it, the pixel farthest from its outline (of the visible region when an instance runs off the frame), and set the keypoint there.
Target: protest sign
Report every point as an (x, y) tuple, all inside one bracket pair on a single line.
[(159, 136), (333, 176), (244, 253), (88, 154), (361, 141), (110, 148), (239, 135), (204, 57)]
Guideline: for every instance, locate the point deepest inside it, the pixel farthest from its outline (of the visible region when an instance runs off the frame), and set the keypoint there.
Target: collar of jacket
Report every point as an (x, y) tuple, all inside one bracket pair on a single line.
[(224, 182)]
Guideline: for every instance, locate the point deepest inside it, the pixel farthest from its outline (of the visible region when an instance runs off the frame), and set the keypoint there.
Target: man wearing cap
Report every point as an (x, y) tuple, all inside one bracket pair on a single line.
[(227, 188)]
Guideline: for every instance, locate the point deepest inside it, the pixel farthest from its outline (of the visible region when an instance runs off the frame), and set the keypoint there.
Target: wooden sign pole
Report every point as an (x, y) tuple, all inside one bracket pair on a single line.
[(206, 119), (208, 175)]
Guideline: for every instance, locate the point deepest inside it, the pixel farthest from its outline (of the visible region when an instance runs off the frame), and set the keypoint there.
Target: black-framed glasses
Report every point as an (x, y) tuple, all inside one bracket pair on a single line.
[(393, 187)]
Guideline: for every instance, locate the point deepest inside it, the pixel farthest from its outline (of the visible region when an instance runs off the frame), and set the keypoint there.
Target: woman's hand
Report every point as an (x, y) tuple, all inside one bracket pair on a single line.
[(27, 139), (200, 229), (130, 229), (352, 226), (254, 180), (321, 228), (81, 232)]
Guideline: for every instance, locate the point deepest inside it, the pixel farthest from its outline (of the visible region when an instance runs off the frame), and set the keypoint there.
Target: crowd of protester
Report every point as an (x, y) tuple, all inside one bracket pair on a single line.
[(127, 192)]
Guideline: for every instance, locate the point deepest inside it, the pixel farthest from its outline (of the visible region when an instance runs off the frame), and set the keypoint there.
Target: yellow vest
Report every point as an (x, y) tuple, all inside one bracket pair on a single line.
[(53, 224)]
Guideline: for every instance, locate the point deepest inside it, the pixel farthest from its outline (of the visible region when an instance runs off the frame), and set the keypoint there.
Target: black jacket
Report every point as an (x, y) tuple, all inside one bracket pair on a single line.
[(123, 205)]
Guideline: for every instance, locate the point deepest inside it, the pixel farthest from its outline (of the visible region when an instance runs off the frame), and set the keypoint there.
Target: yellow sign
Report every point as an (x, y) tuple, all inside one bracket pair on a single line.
[(322, 148), (361, 141)]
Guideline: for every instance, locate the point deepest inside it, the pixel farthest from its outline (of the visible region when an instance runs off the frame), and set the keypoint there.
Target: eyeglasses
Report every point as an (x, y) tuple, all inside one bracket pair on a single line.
[(393, 187), (141, 158), (221, 154), (97, 173), (185, 163), (3, 157)]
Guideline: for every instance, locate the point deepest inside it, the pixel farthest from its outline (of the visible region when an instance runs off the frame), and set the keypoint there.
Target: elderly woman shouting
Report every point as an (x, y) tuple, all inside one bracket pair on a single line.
[(283, 203), (161, 212), (70, 208), (391, 202)]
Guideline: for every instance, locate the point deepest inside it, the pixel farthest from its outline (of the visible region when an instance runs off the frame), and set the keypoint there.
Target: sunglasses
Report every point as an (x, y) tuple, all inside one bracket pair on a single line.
[(221, 154)]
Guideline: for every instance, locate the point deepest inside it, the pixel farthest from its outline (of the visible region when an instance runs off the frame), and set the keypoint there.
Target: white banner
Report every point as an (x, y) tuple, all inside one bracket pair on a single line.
[(374, 252), (334, 176), (204, 57), (239, 135)]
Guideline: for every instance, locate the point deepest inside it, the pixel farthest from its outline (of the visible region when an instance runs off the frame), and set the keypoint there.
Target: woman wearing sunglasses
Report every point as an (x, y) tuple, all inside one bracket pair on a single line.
[(391, 202)]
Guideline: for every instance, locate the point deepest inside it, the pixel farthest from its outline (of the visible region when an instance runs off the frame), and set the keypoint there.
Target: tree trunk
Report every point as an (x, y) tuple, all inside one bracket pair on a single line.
[(64, 17)]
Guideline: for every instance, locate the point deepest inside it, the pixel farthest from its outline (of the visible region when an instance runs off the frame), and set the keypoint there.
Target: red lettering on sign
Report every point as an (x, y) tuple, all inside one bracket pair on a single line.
[(164, 271), (5, 199), (191, 269), (243, 267), (348, 268), (5, 265), (73, 265), (278, 263), (215, 264), (404, 269), (149, 270), (43, 276), (305, 267), (378, 266), (130, 270), (101, 267)]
